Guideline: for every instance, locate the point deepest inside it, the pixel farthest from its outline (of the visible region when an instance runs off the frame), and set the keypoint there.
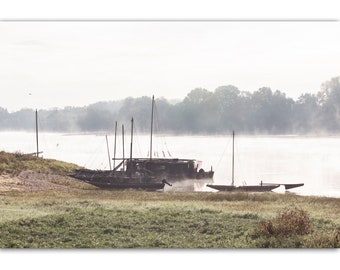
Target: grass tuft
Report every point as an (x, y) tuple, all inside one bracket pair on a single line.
[(290, 222)]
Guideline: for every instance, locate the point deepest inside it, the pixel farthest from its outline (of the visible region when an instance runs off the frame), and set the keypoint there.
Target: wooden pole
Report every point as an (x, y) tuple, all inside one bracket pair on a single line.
[(232, 177), (123, 147), (36, 131), (130, 167), (152, 105), (114, 147), (131, 140)]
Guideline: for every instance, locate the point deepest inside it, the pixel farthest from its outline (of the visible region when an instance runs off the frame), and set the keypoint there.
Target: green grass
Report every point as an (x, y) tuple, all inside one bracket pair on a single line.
[(14, 163), (152, 227), (137, 219), (87, 217)]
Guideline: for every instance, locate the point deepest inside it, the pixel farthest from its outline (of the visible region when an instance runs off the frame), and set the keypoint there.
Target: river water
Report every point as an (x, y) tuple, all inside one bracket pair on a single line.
[(311, 160)]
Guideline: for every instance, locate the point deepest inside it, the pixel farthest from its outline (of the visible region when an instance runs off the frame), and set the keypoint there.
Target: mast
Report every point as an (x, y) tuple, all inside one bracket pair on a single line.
[(123, 146), (232, 169), (114, 148), (153, 103), (108, 152), (36, 131), (131, 140)]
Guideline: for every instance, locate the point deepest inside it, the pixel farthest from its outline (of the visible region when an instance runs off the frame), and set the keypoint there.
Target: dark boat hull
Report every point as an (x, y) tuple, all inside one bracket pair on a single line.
[(222, 187), (119, 180), (289, 186), (131, 185), (258, 188)]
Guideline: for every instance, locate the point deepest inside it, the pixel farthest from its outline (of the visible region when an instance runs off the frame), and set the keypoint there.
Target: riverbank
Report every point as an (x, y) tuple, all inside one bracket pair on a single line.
[(90, 218), (41, 207)]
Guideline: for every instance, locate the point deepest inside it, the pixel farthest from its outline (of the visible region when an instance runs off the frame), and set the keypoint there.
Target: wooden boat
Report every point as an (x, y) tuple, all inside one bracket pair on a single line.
[(245, 188), (136, 178), (222, 187), (290, 186), (287, 186), (132, 185), (137, 172), (173, 169), (120, 180)]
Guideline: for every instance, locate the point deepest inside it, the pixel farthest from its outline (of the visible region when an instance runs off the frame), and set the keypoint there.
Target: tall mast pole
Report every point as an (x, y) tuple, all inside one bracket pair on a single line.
[(36, 131), (123, 146), (131, 140), (153, 102), (114, 148), (232, 177)]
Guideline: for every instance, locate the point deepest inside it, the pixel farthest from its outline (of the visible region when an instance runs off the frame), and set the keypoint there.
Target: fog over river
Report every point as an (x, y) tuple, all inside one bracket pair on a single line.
[(311, 160)]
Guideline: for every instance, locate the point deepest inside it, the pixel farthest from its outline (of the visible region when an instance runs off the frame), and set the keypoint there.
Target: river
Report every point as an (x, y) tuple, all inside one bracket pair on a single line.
[(311, 160)]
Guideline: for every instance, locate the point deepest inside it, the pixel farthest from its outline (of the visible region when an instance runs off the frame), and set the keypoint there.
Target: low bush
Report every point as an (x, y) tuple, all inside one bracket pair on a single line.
[(292, 228), (290, 222)]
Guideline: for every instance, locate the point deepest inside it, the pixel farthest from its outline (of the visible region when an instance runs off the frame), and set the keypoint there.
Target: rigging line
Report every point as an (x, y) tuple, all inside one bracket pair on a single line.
[(167, 150), (161, 138), (155, 132), (91, 160), (239, 163), (136, 139), (158, 126), (238, 158), (223, 154)]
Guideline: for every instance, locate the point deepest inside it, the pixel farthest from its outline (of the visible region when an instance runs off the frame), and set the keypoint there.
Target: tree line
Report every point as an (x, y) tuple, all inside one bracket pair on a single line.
[(201, 112)]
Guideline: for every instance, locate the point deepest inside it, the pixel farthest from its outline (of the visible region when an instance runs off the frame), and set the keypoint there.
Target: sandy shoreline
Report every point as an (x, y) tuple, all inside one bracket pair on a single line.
[(29, 181)]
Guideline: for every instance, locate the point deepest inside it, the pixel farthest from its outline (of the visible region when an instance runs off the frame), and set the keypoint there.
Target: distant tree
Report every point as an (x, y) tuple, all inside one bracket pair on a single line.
[(282, 109), (271, 112), (22, 120), (96, 120), (329, 99), (4, 115), (193, 108), (139, 109), (260, 117), (163, 116), (57, 120), (231, 108), (306, 113), (201, 111)]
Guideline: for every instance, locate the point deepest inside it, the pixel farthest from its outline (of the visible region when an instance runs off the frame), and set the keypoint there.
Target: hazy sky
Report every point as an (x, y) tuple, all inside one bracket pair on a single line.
[(57, 64)]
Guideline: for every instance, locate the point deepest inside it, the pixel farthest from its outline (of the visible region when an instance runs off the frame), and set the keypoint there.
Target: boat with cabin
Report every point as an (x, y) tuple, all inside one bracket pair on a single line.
[(147, 170), (176, 170), (121, 176)]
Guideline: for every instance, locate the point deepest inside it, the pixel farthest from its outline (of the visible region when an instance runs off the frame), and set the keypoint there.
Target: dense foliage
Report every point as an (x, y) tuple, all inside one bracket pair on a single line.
[(201, 111)]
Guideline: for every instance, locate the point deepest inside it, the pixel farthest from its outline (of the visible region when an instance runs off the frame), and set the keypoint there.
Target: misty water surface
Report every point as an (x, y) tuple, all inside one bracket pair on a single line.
[(272, 159)]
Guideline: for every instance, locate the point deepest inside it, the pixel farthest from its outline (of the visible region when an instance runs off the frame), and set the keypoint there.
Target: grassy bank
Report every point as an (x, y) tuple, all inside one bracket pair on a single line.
[(14, 163), (136, 219), (42, 208)]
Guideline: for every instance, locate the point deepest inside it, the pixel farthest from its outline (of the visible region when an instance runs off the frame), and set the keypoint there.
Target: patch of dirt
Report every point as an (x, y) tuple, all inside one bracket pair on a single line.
[(29, 181)]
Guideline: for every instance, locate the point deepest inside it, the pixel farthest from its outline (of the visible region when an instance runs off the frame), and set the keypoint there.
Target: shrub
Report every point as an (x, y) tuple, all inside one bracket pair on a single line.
[(290, 222), (288, 230)]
